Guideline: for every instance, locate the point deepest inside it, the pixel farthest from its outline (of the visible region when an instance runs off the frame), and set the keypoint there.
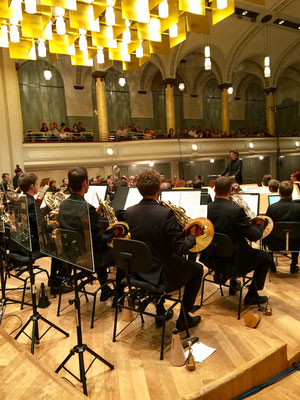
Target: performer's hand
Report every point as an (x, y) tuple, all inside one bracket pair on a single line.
[(99, 211)]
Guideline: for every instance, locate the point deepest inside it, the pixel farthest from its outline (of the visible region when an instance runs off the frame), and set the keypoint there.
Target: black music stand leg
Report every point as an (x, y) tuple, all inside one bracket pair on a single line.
[(80, 348), (34, 318)]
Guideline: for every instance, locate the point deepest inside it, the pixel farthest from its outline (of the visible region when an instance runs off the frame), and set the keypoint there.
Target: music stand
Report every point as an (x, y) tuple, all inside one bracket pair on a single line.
[(20, 233), (74, 246)]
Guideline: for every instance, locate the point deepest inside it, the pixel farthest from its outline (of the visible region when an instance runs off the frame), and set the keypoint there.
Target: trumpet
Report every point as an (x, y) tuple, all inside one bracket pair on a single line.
[(255, 220), (207, 229), (119, 229)]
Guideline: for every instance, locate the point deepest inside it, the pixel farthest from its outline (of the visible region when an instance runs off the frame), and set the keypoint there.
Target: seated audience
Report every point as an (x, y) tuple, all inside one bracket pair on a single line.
[(273, 185), (192, 132), (171, 133), (76, 135), (160, 135), (147, 134), (44, 127), (121, 133), (80, 127)]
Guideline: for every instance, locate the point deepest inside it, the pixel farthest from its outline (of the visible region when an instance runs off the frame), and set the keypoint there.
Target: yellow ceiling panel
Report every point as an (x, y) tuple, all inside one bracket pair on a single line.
[(181, 32), (20, 50), (70, 5), (5, 10), (172, 19), (59, 44), (197, 23), (162, 47), (32, 26), (131, 11), (219, 15), (192, 6)]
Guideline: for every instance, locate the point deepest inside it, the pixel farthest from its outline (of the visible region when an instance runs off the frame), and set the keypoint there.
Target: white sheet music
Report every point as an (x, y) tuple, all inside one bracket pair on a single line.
[(133, 198), (187, 199), (295, 194), (252, 200), (91, 195)]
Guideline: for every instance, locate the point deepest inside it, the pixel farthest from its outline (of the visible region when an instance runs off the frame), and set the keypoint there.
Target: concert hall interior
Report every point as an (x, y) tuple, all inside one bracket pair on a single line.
[(152, 143)]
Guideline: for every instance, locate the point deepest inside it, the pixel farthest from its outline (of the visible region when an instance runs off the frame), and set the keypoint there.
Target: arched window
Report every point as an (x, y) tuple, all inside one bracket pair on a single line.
[(41, 100), (212, 104), (255, 106), (117, 100)]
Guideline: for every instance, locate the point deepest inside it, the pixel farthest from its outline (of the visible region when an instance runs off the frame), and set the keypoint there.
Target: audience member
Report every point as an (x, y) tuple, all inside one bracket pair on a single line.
[(121, 133), (44, 127), (192, 132), (80, 127)]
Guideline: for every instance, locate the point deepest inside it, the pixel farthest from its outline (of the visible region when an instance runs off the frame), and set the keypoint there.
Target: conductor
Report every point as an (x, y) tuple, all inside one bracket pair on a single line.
[(234, 167)]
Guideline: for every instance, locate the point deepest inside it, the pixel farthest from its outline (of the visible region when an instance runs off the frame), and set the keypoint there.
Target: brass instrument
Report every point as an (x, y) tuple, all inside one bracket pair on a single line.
[(54, 200), (41, 195), (207, 228), (259, 219), (120, 228)]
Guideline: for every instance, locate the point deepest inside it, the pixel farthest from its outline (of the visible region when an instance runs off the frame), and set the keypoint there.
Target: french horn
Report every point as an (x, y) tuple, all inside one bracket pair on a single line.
[(206, 227), (54, 200)]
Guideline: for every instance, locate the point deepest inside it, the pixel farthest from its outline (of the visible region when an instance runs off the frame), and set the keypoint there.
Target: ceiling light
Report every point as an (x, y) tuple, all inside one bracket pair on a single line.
[(110, 17), (207, 64), (261, 157), (244, 12), (126, 36), (151, 164), (281, 22), (124, 52), (194, 147), (221, 4), (4, 36), (82, 40), (71, 50), (173, 31), (181, 86), (251, 145), (139, 53), (207, 51), (110, 151), (100, 55), (16, 6), (47, 74), (212, 160), (30, 6), (59, 12), (122, 81), (60, 25), (267, 72), (142, 9), (112, 43), (42, 52), (154, 29), (48, 31), (163, 9), (14, 34), (230, 90), (297, 143), (32, 52), (267, 61)]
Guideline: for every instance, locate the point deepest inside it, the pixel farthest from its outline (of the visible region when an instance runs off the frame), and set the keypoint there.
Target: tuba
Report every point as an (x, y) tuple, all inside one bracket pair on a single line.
[(255, 220), (108, 213), (207, 229)]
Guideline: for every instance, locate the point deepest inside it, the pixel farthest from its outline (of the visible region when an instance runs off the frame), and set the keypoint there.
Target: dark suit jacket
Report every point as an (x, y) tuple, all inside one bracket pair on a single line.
[(230, 219), (156, 225), (234, 167), (69, 217)]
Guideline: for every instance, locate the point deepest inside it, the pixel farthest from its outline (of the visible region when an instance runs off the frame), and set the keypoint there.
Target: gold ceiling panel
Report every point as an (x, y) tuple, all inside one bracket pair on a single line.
[(192, 6), (172, 19), (131, 11), (135, 42), (181, 32), (82, 59), (146, 50), (219, 15), (70, 5), (99, 7), (20, 50), (146, 33), (162, 47), (32, 26), (3, 39), (133, 65), (80, 19), (59, 44), (5, 10), (120, 26), (197, 23), (118, 55), (155, 3), (100, 38)]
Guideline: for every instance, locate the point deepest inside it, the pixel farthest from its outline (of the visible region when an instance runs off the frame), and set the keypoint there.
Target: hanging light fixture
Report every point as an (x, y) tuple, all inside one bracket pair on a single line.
[(32, 52), (4, 36), (230, 90), (207, 61), (30, 6), (71, 50), (139, 53), (267, 69), (47, 74), (154, 28), (100, 55), (110, 17), (181, 86), (42, 52), (142, 9), (207, 51), (163, 9), (14, 34), (82, 40), (122, 81), (48, 31), (127, 34), (60, 22), (173, 31), (16, 6), (221, 4), (112, 43)]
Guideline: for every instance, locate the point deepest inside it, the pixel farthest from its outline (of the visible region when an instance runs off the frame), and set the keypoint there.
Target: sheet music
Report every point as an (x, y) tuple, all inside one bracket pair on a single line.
[(252, 200), (187, 199), (133, 198), (91, 195), (261, 189), (295, 194)]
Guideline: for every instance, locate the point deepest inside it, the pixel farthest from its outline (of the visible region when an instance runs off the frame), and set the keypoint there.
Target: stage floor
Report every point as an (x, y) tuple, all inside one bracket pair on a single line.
[(138, 373)]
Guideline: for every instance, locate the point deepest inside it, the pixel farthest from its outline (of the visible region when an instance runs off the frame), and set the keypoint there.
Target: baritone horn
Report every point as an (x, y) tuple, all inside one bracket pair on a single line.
[(255, 220), (203, 239)]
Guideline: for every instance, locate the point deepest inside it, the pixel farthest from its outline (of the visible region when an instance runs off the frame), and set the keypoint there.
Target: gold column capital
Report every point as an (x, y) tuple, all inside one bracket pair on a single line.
[(270, 90), (99, 74), (225, 86)]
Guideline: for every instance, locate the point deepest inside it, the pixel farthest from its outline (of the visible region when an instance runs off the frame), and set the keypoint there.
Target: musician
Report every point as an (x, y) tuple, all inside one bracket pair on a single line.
[(156, 226), (5, 182), (28, 184), (52, 186), (234, 167), (230, 219), (273, 185), (285, 210), (64, 183), (18, 172), (69, 218)]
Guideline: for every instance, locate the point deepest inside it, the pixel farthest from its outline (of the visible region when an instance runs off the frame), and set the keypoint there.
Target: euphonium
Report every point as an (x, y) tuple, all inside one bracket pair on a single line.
[(120, 229), (205, 225), (255, 220)]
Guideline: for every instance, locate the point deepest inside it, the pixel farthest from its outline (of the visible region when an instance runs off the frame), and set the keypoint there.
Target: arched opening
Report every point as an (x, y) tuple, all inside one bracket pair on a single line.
[(212, 104), (117, 100), (41, 100), (255, 106)]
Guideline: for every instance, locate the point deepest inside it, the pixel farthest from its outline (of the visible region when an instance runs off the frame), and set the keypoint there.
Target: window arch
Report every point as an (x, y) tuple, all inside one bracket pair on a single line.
[(212, 104), (41, 100)]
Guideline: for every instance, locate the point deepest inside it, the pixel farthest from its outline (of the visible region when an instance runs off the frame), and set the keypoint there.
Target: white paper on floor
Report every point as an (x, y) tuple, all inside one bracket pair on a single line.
[(200, 351)]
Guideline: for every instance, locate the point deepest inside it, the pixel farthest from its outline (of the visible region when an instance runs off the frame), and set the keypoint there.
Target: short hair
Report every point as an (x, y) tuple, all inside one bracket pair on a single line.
[(273, 185), (148, 182), (76, 177), (197, 184), (266, 178), (51, 181), (296, 175), (4, 175), (234, 151), (26, 180), (222, 186), (286, 189), (235, 188), (18, 169), (165, 186)]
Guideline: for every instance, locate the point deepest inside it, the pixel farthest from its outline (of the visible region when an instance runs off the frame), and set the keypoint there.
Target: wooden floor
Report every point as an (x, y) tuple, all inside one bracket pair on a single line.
[(139, 374)]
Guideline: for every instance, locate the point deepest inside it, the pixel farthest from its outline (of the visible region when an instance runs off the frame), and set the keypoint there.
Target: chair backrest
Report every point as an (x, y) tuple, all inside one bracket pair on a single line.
[(132, 256), (281, 229), (221, 246), (73, 244)]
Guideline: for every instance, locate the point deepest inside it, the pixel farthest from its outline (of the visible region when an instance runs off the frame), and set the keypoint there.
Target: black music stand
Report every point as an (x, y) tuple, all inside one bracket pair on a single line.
[(74, 247), (20, 233)]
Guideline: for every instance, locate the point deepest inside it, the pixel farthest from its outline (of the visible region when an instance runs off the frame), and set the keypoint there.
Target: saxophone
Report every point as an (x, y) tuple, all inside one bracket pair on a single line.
[(205, 225)]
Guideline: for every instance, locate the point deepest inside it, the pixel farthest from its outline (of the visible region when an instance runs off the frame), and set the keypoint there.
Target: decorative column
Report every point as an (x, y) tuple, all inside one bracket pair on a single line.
[(11, 134), (101, 105), (225, 107), (270, 110), (170, 108)]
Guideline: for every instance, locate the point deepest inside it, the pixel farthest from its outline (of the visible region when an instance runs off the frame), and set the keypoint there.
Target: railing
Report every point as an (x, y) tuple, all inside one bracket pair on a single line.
[(31, 136)]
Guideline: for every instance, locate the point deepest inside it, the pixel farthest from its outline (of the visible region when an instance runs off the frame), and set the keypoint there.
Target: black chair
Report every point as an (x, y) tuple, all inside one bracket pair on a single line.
[(220, 254), (73, 246), (285, 237), (134, 257)]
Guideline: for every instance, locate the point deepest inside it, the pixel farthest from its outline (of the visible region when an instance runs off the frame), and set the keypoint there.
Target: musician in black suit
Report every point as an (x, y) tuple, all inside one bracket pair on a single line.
[(18, 172), (5, 182), (285, 210), (230, 219), (156, 226), (234, 167), (69, 218)]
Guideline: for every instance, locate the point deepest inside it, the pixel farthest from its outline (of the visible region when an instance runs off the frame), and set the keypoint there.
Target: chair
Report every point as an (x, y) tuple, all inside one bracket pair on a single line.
[(220, 252), (135, 257), (73, 246), (285, 237)]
